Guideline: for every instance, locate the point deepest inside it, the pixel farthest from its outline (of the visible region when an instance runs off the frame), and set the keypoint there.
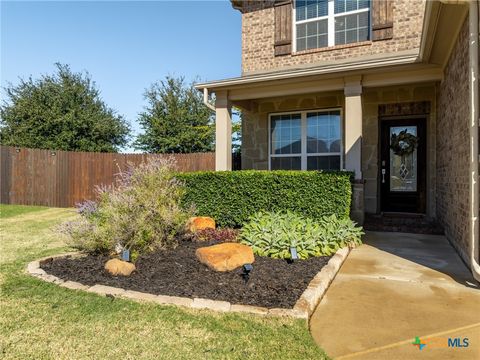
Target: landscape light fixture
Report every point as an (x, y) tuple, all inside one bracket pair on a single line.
[(293, 255), (247, 269), (126, 255)]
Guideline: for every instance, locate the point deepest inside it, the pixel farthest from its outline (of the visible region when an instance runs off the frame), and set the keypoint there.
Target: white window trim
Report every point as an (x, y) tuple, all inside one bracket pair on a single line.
[(331, 23), (304, 155)]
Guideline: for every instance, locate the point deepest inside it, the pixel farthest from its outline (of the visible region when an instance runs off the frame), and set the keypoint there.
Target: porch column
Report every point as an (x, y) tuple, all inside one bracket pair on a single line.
[(353, 125), (223, 132)]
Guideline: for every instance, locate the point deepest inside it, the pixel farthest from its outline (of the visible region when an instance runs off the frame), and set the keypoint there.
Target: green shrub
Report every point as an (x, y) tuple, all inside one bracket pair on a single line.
[(232, 197), (141, 213), (273, 233)]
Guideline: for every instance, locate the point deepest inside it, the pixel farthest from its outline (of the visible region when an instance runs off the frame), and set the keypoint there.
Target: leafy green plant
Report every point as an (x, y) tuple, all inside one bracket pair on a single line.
[(231, 197), (273, 233), (141, 213)]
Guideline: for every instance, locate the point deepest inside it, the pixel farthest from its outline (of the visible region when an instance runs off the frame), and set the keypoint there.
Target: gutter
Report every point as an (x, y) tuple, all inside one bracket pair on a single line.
[(205, 100), (474, 129), (425, 46)]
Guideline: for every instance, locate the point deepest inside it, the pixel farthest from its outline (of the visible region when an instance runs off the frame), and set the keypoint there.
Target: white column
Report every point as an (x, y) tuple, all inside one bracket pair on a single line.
[(223, 132), (353, 125)]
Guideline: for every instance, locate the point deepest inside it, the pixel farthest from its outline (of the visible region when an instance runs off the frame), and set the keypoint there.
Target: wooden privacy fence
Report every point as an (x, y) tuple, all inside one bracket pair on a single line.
[(64, 178)]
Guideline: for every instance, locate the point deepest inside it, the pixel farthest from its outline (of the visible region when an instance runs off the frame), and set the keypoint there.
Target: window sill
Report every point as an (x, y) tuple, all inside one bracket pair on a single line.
[(331, 48)]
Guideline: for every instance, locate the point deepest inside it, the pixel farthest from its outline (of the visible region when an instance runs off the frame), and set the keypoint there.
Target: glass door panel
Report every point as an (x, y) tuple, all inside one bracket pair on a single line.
[(403, 163)]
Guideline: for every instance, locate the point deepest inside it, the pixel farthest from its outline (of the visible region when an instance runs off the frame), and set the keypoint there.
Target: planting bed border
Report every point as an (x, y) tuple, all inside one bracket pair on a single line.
[(303, 308)]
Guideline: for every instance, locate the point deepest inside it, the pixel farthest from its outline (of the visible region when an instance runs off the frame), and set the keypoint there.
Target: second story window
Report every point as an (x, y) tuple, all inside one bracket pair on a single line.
[(322, 23)]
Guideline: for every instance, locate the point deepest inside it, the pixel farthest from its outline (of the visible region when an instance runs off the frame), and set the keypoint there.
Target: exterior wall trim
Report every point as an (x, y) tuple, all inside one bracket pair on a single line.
[(361, 64), (331, 82)]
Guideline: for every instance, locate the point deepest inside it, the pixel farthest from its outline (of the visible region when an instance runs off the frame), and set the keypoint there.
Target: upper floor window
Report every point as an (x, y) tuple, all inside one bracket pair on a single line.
[(322, 23)]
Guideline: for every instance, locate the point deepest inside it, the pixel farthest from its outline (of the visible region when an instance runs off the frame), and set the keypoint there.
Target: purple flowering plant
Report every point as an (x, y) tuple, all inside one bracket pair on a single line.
[(140, 213)]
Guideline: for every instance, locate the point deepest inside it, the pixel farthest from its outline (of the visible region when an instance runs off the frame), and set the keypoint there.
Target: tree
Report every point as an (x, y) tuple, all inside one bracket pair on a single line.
[(237, 131), (175, 119), (62, 111)]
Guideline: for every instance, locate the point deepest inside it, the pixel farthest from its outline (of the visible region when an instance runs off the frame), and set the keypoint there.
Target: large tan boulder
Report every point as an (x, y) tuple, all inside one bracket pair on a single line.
[(226, 256), (119, 267), (200, 223)]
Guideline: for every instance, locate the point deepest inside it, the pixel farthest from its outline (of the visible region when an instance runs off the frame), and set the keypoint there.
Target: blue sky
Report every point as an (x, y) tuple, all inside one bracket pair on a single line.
[(124, 45)]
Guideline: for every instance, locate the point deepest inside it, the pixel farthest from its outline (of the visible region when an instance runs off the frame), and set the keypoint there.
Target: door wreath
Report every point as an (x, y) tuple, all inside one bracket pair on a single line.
[(404, 143)]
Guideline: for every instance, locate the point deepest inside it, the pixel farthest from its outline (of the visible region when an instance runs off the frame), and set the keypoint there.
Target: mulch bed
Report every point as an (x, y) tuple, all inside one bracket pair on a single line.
[(273, 283)]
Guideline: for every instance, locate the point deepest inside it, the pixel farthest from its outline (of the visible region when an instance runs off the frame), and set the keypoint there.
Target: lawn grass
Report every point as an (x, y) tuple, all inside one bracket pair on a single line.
[(40, 320), (7, 211)]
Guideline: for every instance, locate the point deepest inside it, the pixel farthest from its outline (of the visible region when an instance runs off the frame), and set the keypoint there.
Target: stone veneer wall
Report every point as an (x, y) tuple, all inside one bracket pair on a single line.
[(453, 146), (258, 38), (255, 122), (255, 131)]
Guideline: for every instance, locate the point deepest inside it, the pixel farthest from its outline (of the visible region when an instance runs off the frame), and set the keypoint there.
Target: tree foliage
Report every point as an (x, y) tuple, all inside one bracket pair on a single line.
[(237, 131), (62, 111), (175, 119)]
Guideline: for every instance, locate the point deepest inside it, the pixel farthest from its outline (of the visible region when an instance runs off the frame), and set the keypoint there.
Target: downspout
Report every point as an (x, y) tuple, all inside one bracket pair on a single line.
[(205, 100), (474, 129)]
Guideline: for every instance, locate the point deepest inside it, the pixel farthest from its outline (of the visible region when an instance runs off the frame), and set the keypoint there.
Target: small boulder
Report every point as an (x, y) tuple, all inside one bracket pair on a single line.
[(226, 256), (119, 267), (200, 223)]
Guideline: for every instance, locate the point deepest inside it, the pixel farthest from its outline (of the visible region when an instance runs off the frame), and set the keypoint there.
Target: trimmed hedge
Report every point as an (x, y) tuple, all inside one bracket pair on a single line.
[(231, 197)]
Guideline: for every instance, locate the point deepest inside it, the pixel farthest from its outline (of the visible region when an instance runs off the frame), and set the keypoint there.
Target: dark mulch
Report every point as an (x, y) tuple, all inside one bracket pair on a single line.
[(273, 282)]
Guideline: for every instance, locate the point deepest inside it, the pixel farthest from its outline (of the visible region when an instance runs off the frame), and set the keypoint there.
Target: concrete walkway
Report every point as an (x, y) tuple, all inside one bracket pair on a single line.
[(393, 288)]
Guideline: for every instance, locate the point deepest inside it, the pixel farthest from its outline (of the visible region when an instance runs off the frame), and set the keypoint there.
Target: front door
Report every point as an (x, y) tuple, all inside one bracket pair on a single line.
[(403, 165)]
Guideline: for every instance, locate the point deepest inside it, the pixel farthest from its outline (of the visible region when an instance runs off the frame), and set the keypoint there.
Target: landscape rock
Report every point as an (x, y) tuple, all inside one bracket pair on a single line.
[(226, 256), (119, 267), (200, 223)]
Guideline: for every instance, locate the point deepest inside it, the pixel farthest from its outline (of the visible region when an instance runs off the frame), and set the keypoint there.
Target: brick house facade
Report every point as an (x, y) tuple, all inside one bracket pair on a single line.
[(334, 84), (258, 38), (453, 146)]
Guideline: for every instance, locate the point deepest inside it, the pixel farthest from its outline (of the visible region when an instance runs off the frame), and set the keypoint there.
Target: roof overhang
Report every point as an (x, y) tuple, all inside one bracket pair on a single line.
[(442, 23), (392, 71), (336, 67)]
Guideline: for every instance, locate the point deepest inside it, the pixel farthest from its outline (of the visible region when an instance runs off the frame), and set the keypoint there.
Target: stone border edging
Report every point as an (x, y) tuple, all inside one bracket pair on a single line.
[(317, 288), (303, 308)]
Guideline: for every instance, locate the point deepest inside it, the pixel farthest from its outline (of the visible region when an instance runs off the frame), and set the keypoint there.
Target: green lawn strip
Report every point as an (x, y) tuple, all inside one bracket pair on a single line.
[(40, 320), (31, 235), (7, 211)]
